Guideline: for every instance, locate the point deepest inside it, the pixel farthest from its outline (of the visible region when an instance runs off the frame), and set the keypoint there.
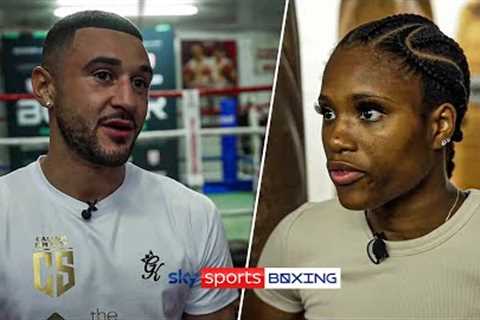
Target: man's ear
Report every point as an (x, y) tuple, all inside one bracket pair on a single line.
[(43, 86), (443, 119)]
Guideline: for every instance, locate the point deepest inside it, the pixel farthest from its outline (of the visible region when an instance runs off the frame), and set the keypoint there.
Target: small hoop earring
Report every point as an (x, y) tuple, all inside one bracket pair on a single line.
[(445, 142), (48, 104)]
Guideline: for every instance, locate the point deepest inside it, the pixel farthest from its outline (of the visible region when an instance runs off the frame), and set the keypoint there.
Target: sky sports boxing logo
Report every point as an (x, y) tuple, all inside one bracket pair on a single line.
[(271, 278)]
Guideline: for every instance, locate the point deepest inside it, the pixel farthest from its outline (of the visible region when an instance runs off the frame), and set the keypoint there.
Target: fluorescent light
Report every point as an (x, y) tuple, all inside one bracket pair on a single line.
[(121, 10), (88, 3), (131, 10), (170, 10)]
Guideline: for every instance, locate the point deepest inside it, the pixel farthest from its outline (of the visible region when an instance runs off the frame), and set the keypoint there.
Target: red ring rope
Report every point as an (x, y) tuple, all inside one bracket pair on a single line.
[(163, 93)]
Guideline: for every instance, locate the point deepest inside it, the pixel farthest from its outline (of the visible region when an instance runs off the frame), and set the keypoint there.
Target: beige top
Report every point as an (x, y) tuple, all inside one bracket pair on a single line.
[(436, 276)]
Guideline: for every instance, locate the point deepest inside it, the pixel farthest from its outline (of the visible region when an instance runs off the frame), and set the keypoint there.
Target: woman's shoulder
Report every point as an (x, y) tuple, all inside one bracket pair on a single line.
[(314, 227), (318, 218), (325, 212)]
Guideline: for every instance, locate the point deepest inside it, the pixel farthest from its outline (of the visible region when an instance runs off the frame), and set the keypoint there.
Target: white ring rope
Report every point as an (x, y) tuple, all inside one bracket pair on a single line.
[(146, 135), (236, 212)]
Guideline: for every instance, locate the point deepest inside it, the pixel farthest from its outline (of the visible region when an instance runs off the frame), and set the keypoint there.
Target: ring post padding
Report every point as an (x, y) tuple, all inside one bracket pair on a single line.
[(193, 152), (228, 118), (254, 121)]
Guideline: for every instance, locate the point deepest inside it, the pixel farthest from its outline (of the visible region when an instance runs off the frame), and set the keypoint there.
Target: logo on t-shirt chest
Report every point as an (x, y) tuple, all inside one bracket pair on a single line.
[(53, 265), (151, 267)]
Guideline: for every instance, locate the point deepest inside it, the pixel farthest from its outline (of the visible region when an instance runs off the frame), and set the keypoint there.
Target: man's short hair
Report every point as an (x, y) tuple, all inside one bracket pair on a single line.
[(60, 36)]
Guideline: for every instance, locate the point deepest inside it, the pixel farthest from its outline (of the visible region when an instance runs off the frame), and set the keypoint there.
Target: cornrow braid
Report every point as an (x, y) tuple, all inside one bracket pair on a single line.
[(423, 49)]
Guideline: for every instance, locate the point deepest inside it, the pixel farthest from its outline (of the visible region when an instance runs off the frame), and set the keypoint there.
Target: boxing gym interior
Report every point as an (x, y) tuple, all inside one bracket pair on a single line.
[(213, 62)]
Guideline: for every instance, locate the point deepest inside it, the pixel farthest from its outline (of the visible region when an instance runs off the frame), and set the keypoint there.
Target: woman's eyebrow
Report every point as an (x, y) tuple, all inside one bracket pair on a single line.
[(368, 95), (323, 99)]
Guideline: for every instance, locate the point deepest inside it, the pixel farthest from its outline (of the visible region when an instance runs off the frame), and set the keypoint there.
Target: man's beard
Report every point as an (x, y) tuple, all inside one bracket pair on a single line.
[(84, 142)]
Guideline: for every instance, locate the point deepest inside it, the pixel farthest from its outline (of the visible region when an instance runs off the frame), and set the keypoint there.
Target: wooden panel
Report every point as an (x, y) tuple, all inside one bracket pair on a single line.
[(467, 152), (468, 31), (356, 12), (283, 186), (467, 157)]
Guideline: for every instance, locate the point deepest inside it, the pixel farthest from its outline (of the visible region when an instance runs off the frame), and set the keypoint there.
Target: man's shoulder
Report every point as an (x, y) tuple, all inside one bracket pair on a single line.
[(15, 184), (174, 192), (17, 177)]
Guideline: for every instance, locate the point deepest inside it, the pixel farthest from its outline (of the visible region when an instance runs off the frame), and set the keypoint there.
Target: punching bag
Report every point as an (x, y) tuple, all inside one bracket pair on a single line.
[(283, 187), (467, 156)]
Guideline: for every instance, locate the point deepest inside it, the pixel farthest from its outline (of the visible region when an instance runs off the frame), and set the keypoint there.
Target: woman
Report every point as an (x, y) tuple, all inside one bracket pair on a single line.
[(393, 97)]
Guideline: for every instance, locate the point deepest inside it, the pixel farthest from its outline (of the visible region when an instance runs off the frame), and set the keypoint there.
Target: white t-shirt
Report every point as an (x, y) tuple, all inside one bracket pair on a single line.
[(122, 263), (436, 276)]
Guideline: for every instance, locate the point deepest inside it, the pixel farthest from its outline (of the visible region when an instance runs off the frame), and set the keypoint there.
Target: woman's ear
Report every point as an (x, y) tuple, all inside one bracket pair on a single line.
[(443, 119), (43, 86)]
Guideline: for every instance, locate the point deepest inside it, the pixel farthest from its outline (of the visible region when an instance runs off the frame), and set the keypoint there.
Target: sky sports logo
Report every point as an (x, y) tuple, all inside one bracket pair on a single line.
[(271, 278)]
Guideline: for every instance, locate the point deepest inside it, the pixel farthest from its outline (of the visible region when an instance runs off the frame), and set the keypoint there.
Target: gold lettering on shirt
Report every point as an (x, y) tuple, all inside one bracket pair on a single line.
[(53, 265)]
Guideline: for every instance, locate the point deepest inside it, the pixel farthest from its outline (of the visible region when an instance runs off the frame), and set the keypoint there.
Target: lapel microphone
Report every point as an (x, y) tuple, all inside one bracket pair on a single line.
[(377, 249), (87, 213)]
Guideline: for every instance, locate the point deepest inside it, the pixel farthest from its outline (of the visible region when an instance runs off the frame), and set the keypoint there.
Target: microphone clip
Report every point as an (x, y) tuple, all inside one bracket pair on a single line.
[(87, 213), (377, 249)]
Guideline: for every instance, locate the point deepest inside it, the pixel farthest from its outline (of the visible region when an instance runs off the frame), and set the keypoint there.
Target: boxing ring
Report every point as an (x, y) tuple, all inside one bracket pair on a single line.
[(191, 132)]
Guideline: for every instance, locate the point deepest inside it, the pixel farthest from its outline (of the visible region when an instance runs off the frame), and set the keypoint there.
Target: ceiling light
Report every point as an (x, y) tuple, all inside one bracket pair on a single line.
[(88, 3), (131, 10)]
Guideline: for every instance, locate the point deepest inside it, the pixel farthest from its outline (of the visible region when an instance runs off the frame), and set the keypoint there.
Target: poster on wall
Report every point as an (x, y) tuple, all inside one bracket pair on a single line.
[(213, 64), (265, 57), (209, 63)]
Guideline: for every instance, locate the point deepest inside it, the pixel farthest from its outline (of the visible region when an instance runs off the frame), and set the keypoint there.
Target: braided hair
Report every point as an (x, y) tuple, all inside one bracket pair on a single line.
[(423, 49)]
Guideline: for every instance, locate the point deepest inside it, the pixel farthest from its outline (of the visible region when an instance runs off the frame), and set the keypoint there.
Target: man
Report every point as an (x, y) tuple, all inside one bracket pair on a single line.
[(83, 233)]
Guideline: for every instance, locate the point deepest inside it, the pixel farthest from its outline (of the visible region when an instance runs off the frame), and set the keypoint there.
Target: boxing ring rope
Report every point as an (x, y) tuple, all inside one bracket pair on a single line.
[(191, 131), (145, 136), (234, 91)]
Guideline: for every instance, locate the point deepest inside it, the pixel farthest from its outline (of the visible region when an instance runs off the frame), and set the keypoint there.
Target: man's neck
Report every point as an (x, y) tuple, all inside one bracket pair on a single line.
[(79, 178)]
